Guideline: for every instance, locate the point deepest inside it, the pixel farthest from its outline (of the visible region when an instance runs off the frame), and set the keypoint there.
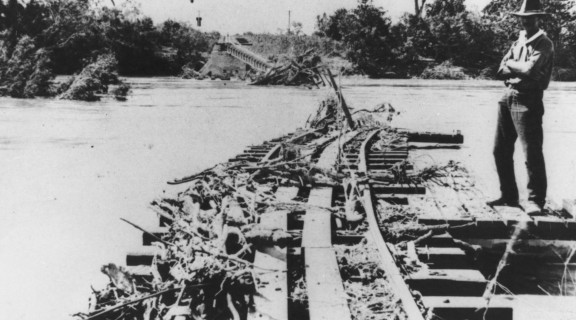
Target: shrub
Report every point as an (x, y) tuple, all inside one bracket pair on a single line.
[(445, 70), (121, 91), (564, 74), (93, 81), (26, 73)]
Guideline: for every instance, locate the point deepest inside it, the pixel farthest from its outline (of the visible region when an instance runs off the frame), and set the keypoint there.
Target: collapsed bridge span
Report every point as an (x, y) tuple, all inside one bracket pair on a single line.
[(231, 56)]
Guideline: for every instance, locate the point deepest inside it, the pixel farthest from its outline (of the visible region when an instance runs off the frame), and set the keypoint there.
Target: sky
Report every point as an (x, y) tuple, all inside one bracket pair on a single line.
[(238, 16)]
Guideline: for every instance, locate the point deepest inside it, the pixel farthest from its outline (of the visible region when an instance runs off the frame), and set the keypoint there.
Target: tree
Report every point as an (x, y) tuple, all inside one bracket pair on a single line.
[(26, 73), (418, 7), (297, 27), (367, 39), (447, 32), (445, 8), (557, 24), (412, 40), (331, 26), (12, 26), (459, 35)]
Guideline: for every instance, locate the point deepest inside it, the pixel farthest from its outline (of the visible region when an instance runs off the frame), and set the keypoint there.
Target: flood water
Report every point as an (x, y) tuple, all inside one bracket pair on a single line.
[(69, 170)]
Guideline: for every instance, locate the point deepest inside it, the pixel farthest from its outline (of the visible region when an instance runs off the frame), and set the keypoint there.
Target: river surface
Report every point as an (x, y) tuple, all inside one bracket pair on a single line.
[(69, 170)]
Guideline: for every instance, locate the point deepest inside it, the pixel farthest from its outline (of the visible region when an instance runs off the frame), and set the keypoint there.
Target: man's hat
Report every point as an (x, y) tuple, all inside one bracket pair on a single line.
[(530, 8)]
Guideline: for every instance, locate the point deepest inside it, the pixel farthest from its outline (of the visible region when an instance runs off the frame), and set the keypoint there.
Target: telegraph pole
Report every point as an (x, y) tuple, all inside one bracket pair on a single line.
[(288, 22)]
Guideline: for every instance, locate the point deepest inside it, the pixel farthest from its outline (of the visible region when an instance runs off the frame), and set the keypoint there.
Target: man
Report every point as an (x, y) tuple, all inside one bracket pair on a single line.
[(526, 69)]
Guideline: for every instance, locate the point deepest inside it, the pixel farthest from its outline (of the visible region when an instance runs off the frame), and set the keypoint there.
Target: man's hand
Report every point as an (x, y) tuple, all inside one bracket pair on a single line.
[(505, 73), (506, 70)]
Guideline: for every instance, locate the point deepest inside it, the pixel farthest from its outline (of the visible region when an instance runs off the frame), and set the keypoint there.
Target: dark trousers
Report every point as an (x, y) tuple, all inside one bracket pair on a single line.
[(520, 115)]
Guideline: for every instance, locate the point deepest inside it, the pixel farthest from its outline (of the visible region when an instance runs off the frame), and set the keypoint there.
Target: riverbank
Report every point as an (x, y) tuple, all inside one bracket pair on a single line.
[(70, 170)]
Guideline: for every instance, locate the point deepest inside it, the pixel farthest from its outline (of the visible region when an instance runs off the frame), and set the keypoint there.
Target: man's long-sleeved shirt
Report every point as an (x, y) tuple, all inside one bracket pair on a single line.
[(533, 59)]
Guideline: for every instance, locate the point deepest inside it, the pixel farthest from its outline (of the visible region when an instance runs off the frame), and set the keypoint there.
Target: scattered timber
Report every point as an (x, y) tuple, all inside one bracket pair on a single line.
[(301, 70), (333, 221)]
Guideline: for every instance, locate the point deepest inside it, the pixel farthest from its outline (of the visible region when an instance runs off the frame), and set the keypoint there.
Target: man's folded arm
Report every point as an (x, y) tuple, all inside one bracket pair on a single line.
[(504, 72), (534, 67)]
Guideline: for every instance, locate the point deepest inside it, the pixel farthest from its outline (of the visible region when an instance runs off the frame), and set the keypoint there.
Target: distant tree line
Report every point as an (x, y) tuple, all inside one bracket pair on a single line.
[(440, 39), (50, 37), (444, 33)]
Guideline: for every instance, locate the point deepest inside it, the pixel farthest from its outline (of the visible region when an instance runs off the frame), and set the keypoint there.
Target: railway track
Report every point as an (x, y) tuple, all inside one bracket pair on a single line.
[(455, 261), (459, 264)]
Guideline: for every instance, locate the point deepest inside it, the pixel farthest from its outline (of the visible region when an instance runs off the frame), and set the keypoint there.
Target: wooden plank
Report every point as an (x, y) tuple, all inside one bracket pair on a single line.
[(388, 152), (386, 168), (560, 246), (452, 274), (272, 299), (535, 249), (252, 159), (470, 308), (452, 221), (326, 296), (448, 282), (144, 272), (261, 147), (430, 137), (402, 200), (248, 155), (387, 157), (352, 165), (441, 240), (317, 231), (285, 194), (444, 257), (428, 206), (563, 229), (545, 229), (279, 219), (142, 256), (274, 220), (511, 213), (382, 164), (398, 189)]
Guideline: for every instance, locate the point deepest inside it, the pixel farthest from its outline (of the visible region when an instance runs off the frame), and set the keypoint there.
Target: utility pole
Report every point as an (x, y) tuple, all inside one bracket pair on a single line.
[(288, 32)]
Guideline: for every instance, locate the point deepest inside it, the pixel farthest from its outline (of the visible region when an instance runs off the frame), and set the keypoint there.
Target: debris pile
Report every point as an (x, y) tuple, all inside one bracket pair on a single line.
[(299, 71), (203, 267), (370, 294)]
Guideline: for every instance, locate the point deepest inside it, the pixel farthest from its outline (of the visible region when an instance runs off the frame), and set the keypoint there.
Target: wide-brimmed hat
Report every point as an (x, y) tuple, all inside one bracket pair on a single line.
[(530, 8)]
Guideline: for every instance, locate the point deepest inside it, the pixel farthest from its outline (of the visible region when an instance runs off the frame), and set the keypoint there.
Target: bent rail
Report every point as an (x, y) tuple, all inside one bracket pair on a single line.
[(388, 261)]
